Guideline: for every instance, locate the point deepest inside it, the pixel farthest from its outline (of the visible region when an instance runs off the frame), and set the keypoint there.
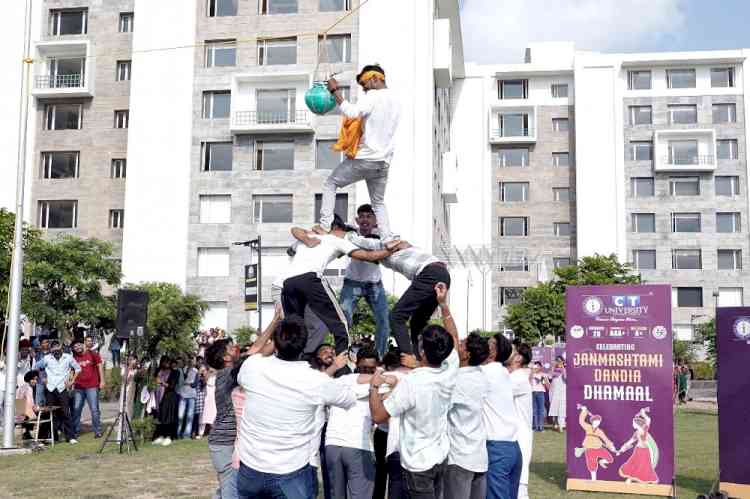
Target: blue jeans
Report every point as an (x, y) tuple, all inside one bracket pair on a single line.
[(185, 413), (504, 473), (221, 458), (91, 396), (374, 294), (298, 484), (540, 412)]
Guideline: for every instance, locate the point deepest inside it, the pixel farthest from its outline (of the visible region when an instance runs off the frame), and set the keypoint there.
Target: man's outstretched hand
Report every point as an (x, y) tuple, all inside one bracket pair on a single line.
[(332, 85), (441, 291)]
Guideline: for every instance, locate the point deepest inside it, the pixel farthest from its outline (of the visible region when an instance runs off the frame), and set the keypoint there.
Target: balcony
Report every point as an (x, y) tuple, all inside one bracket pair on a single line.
[(256, 122), (62, 69), (512, 135), (685, 150), (512, 124)]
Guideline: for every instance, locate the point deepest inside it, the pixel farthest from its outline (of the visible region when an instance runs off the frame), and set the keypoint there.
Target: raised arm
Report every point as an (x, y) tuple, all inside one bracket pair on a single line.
[(582, 417), (306, 237), (377, 410), (263, 345), (441, 291)]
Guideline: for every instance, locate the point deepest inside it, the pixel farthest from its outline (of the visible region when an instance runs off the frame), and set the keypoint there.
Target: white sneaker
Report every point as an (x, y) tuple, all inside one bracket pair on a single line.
[(167, 441), (72, 441), (158, 441)]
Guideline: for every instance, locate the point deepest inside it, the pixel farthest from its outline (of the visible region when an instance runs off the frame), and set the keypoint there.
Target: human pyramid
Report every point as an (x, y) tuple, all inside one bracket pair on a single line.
[(444, 407)]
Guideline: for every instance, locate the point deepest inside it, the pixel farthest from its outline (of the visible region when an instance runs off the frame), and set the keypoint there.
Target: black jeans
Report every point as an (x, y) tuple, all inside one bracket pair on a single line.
[(396, 485), (417, 305), (62, 415), (307, 290), (426, 484), (380, 441)]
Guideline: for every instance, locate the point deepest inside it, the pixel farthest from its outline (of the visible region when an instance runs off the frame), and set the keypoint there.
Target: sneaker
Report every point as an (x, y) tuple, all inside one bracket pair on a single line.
[(72, 441), (158, 441), (98, 435), (167, 441)]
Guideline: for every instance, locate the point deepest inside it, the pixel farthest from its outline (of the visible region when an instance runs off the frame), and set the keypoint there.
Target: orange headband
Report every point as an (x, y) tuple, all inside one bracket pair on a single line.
[(371, 74)]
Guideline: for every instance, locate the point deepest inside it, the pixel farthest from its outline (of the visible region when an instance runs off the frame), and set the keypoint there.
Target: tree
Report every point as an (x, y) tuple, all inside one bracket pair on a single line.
[(707, 332), (173, 318), (683, 352), (243, 334), (364, 319), (595, 270)]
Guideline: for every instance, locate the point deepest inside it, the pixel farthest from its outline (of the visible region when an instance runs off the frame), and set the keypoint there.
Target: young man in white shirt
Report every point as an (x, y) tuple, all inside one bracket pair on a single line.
[(501, 423), (467, 460), (422, 400), (520, 376), (379, 110)]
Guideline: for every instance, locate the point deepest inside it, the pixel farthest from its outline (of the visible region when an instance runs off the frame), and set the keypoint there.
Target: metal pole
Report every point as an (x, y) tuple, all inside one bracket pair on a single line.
[(484, 300), (260, 284), (468, 287), (16, 273)]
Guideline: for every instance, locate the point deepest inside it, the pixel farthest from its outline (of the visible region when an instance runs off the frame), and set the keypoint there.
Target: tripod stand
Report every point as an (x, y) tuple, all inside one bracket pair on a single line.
[(124, 437)]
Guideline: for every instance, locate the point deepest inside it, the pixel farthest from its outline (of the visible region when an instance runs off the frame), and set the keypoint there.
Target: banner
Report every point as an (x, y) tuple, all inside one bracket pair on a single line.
[(733, 357), (251, 287), (546, 355), (619, 389)]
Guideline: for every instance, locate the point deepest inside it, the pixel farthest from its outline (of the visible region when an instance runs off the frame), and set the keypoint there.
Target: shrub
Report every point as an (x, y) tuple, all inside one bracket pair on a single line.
[(143, 428), (703, 370), (113, 383)]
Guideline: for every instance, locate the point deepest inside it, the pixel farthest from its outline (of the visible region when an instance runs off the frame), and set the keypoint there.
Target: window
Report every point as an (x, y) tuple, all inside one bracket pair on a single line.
[(642, 187), (684, 186), (643, 222), (338, 48), (64, 73), (510, 296), (514, 226), (276, 106), (513, 89), (116, 219), (123, 70), (560, 262), (278, 51), (686, 222), (727, 185), (62, 116), (126, 22), (644, 259), (272, 209), (729, 259), (683, 114), (215, 208), (728, 222), (121, 118), (341, 208), (60, 164), (724, 113), (683, 152), (562, 229), (213, 262), (688, 297), (515, 264), (217, 156), (560, 159), (221, 53), (639, 80), (730, 297), (562, 194), (686, 259), (726, 149), (271, 156), (118, 168), (270, 7), (514, 125), (513, 157), (58, 214), (641, 151), (559, 90), (514, 192), (640, 115), (68, 22), (216, 104), (222, 8), (560, 124), (722, 77), (325, 157), (683, 332), (334, 5), (680, 78)]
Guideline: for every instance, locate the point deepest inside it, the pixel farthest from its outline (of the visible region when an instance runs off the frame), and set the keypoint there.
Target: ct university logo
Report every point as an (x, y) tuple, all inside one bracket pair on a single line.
[(626, 301), (659, 332), (592, 305), (576, 332), (742, 328)]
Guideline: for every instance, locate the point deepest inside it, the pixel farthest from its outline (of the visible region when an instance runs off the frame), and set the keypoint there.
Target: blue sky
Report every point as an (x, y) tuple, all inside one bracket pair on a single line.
[(496, 31)]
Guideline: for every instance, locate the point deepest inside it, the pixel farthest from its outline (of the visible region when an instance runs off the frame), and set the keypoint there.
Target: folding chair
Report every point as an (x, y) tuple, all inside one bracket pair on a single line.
[(50, 410)]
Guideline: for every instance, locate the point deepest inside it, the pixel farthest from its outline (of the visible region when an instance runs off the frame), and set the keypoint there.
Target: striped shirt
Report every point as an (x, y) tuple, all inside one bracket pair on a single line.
[(409, 262)]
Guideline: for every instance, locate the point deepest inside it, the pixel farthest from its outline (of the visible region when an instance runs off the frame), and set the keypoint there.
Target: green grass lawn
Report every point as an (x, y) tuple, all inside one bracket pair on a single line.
[(184, 470)]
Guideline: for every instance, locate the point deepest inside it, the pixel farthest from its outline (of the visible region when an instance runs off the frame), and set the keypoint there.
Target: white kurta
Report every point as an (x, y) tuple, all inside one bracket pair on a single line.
[(523, 402), (557, 397)]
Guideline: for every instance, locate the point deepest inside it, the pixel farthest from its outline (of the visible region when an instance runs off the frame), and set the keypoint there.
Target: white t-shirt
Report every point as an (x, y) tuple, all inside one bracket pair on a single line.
[(499, 413), (316, 259), (524, 409), (279, 423), (393, 424), (352, 427), (321, 415), (381, 111), (466, 430), (537, 382), (422, 399)]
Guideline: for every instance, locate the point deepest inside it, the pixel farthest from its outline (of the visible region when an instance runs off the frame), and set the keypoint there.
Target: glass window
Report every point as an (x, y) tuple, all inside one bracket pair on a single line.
[(728, 222), (642, 187), (68, 22), (62, 116), (341, 208), (644, 259), (686, 259), (274, 155), (560, 262), (514, 125), (689, 297), (729, 259), (641, 151), (60, 164), (276, 106), (338, 48), (643, 222), (126, 22), (686, 222), (217, 156), (123, 70), (277, 52), (63, 73), (559, 90), (334, 5), (560, 159), (726, 149), (509, 296), (58, 214), (514, 226), (730, 297), (562, 194), (640, 115), (560, 124), (221, 53), (727, 185), (270, 7), (325, 157), (272, 209), (513, 89), (513, 157), (220, 8), (116, 219), (562, 229), (683, 114), (681, 78), (722, 77), (515, 263), (122, 117), (724, 113), (216, 104), (683, 152), (684, 186), (511, 192), (213, 262), (215, 209), (639, 80), (118, 168)]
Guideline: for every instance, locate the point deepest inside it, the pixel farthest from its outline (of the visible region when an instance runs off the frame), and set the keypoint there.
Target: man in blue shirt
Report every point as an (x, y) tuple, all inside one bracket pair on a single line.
[(62, 371)]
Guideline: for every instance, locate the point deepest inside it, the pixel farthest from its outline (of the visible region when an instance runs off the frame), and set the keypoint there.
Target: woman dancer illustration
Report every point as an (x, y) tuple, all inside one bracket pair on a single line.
[(641, 465)]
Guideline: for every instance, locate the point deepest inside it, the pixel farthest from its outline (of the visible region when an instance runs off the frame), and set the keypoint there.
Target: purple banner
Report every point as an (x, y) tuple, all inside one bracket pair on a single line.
[(619, 388), (546, 355), (733, 343)]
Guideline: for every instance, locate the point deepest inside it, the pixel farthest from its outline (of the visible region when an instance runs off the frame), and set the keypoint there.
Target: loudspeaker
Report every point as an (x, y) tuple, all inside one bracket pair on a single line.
[(132, 312)]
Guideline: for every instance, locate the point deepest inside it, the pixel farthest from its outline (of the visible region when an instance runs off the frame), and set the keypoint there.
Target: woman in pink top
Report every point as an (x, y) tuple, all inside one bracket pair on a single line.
[(238, 400)]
